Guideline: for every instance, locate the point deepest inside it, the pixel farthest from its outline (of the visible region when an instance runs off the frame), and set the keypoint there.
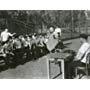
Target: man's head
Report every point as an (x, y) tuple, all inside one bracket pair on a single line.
[(6, 30), (83, 38), (51, 29)]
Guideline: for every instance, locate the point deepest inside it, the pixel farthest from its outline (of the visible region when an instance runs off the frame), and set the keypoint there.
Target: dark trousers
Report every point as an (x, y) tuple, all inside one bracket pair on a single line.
[(71, 68)]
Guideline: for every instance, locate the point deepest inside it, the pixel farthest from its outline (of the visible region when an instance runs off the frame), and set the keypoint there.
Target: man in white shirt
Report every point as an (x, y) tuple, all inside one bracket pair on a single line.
[(58, 31), (80, 58), (5, 35)]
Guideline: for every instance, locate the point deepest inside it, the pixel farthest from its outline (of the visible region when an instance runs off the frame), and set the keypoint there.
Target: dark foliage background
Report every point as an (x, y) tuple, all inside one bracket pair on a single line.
[(30, 21)]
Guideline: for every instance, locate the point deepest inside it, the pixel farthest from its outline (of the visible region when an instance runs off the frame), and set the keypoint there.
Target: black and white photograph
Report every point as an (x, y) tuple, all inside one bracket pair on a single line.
[(44, 44)]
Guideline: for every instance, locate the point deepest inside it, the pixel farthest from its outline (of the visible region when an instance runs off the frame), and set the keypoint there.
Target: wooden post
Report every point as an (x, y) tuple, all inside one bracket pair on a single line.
[(71, 22), (79, 23), (48, 69)]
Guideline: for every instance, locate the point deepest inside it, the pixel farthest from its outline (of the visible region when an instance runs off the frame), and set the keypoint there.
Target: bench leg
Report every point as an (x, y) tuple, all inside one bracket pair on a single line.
[(48, 69), (63, 69)]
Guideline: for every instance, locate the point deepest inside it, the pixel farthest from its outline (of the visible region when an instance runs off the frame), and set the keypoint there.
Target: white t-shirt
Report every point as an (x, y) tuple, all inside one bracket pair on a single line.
[(84, 49), (5, 36), (58, 30)]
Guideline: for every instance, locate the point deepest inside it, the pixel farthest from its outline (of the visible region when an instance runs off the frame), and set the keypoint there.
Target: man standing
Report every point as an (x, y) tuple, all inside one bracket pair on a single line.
[(80, 58), (5, 35)]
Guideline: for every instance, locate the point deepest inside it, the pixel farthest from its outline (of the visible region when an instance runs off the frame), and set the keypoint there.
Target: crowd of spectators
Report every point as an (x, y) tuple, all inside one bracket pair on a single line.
[(16, 49)]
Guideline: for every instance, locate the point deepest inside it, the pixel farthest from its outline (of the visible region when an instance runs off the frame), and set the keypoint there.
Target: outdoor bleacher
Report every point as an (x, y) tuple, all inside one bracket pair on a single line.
[(32, 58)]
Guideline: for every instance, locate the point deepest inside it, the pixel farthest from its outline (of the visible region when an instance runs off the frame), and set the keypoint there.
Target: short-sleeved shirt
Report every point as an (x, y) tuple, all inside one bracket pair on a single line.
[(85, 47), (58, 30), (5, 36)]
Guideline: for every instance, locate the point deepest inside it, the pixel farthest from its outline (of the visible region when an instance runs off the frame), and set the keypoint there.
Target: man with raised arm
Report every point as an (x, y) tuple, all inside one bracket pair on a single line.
[(5, 36)]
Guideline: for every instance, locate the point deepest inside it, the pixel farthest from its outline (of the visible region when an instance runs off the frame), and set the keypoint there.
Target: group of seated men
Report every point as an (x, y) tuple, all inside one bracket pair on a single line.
[(77, 58), (20, 46), (16, 48)]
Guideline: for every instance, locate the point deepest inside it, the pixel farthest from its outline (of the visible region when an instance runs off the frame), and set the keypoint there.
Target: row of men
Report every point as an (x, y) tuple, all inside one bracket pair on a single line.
[(30, 47)]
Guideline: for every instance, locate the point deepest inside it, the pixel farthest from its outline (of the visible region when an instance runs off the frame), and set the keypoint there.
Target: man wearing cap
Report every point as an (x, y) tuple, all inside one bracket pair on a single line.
[(80, 58)]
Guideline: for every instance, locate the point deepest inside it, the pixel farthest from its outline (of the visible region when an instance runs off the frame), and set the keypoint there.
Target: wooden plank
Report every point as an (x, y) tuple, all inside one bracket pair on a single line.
[(58, 55)]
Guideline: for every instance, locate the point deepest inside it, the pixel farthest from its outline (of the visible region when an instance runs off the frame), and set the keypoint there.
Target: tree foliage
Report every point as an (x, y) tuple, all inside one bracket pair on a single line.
[(40, 18)]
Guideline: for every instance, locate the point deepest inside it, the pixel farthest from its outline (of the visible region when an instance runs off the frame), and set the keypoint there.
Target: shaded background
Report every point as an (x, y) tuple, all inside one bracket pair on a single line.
[(72, 22)]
